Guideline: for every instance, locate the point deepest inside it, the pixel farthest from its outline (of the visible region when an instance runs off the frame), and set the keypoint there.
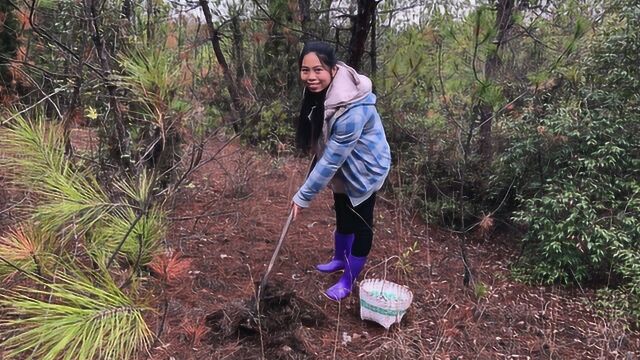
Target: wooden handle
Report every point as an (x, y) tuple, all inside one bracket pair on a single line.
[(275, 254)]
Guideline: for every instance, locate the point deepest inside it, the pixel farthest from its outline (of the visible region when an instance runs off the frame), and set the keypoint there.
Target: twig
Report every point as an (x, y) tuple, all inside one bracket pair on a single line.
[(235, 136), (165, 308), (468, 275), (33, 66), (22, 271), (57, 42), (197, 217), (131, 227), (276, 21), (196, 157), (443, 91), (47, 97), (258, 315), (13, 206), (464, 231), (476, 45), (335, 343), (435, 350), (134, 268), (32, 106), (197, 163), (504, 107)]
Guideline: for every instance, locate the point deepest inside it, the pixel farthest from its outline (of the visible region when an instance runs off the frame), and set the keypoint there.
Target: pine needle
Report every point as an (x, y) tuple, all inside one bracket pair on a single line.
[(83, 320)]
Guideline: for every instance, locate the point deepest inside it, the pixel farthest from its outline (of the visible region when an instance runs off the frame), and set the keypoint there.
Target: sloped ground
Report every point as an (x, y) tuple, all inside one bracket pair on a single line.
[(229, 220), (226, 223)]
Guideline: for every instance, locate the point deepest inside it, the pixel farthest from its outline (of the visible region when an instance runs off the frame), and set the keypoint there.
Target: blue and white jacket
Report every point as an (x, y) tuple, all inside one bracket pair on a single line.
[(353, 155)]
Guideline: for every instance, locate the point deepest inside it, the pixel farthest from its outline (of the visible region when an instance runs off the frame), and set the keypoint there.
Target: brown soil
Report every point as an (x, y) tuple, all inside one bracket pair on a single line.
[(226, 222)]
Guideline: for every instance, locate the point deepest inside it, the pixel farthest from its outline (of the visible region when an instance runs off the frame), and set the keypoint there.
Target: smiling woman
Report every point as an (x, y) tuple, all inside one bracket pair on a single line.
[(318, 65), (340, 125), (315, 74)]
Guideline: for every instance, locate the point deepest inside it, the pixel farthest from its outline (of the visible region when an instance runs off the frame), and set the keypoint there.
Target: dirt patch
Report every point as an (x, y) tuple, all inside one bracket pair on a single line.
[(280, 324), (240, 202)]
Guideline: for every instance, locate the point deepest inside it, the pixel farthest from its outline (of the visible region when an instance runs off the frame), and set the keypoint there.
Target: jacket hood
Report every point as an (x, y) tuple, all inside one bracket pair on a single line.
[(346, 88)]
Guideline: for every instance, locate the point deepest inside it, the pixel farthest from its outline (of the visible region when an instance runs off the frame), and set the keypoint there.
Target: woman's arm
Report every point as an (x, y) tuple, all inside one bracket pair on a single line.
[(346, 132)]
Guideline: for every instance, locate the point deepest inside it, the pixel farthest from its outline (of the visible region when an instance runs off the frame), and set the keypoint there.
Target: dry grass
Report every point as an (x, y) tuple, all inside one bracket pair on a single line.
[(194, 331), (170, 267), (18, 244)]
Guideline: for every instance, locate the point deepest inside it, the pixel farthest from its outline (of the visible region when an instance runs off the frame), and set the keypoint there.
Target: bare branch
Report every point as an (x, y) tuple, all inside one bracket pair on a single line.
[(55, 41), (32, 106)]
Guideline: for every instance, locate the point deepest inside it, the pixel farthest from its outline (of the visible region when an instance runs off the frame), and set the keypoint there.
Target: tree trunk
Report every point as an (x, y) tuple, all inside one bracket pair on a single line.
[(126, 10), (74, 112), (8, 45), (238, 51), (214, 36), (503, 22), (149, 23), (305, 16), (118, 142), (361, 24), (325, 23), (374, 49)]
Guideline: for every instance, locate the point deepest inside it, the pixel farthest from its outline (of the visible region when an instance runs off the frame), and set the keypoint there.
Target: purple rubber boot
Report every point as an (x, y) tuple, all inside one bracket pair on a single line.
[(342, 246), (342, 288)]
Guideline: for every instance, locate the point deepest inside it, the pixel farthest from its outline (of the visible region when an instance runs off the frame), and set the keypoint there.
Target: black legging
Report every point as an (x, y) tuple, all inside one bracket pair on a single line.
[(356, 220)]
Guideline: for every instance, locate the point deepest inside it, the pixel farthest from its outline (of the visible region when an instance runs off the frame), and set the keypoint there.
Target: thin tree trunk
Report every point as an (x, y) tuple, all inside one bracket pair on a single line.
[(126, 22), (8, 44), (361, 24), (326, 21), (304, 6), (73, 113), (214, 36), (374, 50), (503, 22), (238, 51), (149, 22), (118, 142), (126, 10)]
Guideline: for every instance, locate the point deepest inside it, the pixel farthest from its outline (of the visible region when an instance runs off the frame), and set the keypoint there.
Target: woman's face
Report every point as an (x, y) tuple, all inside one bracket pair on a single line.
[(315, 75)]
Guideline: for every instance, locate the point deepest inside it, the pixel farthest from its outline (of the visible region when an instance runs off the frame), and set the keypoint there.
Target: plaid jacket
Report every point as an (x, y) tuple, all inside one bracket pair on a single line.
[(356, 152)]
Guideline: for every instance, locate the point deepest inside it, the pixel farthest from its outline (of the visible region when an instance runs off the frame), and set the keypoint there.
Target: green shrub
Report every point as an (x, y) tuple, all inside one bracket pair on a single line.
[(274, 126), (582, 209)]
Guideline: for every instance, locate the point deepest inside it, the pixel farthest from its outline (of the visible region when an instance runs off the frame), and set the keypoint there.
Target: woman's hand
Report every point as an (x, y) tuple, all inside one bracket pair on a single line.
[(296, 209)]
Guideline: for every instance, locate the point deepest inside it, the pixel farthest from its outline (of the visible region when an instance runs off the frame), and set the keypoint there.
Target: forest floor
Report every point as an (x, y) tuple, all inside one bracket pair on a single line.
[(226, 222)]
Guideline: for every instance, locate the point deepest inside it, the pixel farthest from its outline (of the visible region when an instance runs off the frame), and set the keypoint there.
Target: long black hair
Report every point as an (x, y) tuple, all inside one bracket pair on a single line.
[(309, 123)]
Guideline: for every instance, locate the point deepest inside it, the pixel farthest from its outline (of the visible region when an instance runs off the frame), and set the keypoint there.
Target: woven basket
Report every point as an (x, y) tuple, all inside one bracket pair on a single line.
[(383, 301)]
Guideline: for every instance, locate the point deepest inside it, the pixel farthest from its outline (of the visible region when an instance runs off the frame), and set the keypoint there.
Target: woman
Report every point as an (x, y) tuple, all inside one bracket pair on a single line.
[(339, 123)]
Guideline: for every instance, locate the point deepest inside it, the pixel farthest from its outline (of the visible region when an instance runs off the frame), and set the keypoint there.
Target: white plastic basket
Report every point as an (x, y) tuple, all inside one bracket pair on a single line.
[(383, 301)]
